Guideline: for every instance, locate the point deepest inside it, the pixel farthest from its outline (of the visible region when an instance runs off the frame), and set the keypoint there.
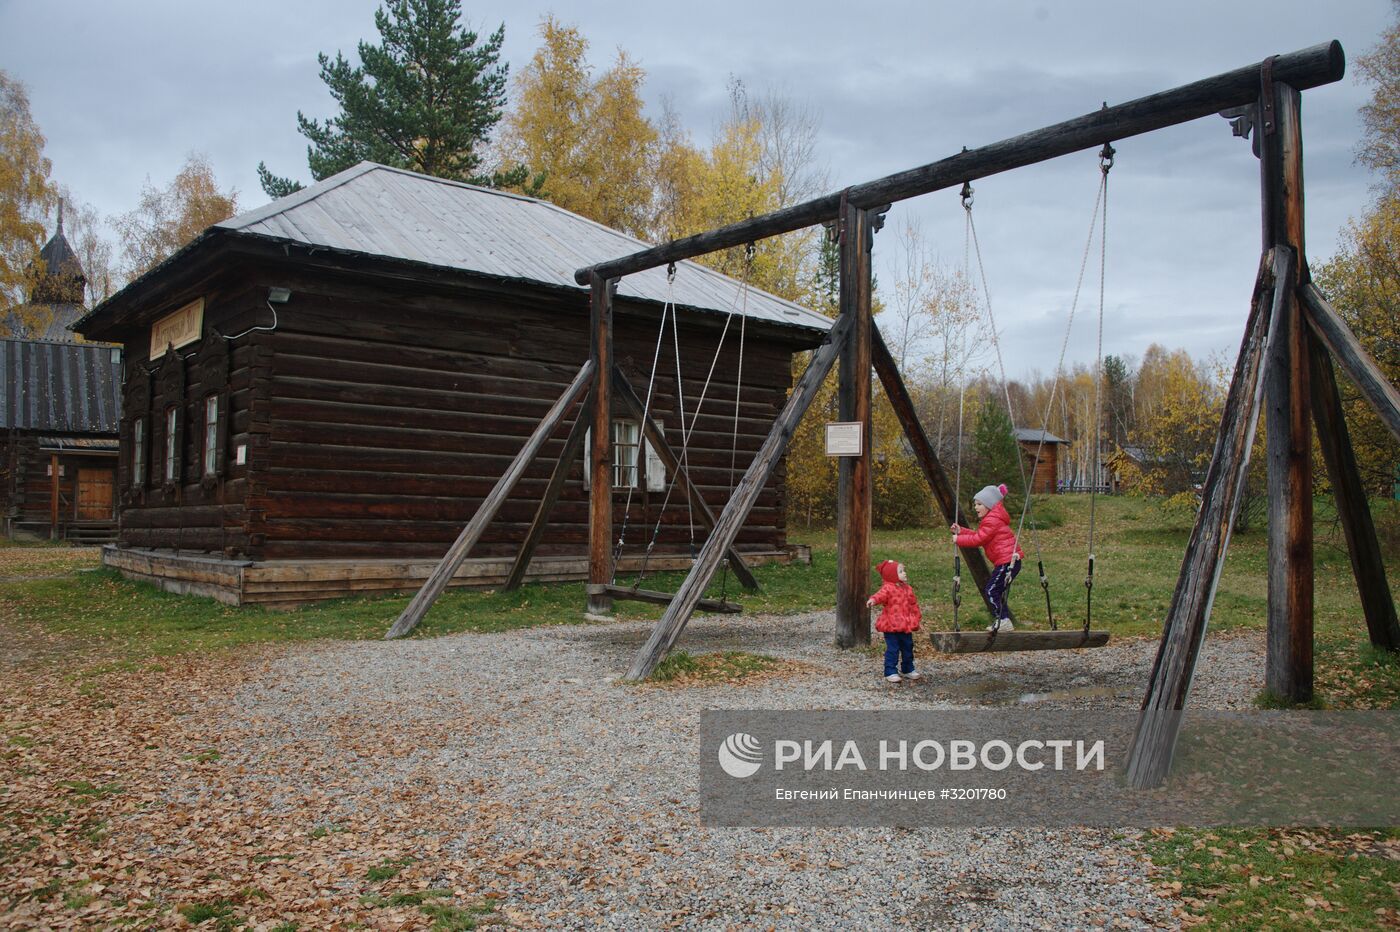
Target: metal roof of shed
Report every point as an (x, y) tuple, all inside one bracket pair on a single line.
[(378, 210), (61, 387), (1036, 435)]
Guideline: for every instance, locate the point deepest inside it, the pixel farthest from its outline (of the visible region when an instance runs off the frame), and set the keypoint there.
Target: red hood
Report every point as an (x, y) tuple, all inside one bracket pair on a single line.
[(889, 571)]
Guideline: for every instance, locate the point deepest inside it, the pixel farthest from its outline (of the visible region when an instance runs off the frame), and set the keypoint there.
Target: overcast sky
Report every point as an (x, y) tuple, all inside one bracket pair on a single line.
[(124, 91)]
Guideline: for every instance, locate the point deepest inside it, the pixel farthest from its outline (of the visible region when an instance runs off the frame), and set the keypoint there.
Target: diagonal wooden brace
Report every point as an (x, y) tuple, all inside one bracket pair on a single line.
[(442, 575), (1185, 628), (672, 622), (572, 447)]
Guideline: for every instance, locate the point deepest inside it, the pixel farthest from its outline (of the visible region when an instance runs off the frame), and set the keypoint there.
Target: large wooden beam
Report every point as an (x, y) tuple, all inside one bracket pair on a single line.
[(854, 504), (672, 622), (1352, 357), (1310, 67), (1367, 564), (657, 438), (1185, 628), (1288, 664), (924, 453), (600, 501), (440, 577), (572, 447)]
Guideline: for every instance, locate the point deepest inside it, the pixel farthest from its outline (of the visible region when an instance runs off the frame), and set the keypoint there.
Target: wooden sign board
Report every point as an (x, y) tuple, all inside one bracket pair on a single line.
[(184, 326), (843, 438)]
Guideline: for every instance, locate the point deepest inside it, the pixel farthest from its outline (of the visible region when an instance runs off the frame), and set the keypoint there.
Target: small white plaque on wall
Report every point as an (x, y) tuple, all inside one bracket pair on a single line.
[(240, 455), (843, 438)]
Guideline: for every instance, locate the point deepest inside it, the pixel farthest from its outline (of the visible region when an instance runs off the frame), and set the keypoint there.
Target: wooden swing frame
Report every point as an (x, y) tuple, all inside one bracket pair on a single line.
[(1285, 365)]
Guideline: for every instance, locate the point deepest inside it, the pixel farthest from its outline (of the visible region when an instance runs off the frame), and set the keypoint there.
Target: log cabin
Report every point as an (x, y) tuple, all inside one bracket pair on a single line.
[(58, 439), (1044, 472), (59, 411), (320, 392)]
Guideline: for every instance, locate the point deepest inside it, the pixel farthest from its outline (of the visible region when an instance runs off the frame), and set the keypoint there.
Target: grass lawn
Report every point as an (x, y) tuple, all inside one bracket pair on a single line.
[(1138, 548)]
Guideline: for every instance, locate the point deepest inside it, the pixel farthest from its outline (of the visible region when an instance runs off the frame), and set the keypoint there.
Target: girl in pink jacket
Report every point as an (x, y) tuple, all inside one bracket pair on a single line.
[(898, 621), (995, 537)]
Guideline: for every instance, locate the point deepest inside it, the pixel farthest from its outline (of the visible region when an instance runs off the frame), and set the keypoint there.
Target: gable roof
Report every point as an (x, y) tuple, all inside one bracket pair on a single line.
[(1036, 435), (382, 211), (65, 387)]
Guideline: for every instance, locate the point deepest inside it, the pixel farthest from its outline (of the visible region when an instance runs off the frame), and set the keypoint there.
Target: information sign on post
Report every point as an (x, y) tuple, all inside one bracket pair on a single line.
[(843, 438)]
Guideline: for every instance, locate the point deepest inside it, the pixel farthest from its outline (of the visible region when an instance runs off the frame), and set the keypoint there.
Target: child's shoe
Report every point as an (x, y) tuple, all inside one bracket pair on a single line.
[(913, 675), (893, 678), (1002, 625)]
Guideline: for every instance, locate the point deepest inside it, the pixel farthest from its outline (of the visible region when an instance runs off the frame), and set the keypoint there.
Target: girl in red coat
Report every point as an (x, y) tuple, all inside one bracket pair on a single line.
[(994, 535), (898, 621)]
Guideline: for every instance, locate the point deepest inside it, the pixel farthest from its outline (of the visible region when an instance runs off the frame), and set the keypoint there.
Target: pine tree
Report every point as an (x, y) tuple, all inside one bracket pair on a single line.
[(426, 98), (996, 455)]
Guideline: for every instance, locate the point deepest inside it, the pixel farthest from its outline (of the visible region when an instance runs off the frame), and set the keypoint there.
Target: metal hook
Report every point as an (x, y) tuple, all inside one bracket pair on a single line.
[(966, 195), (670, 272), (1106, 155)]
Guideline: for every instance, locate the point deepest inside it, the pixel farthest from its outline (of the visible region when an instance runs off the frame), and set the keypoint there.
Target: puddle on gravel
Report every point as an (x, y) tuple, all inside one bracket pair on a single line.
[(1081, 692), (1005, 692)]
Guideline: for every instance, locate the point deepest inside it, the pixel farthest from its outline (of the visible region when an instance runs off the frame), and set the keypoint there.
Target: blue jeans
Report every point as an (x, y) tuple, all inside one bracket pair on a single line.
[(899, 648)]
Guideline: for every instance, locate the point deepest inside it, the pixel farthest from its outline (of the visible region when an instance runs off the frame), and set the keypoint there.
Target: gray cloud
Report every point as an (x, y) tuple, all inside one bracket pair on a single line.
[(124, 91)]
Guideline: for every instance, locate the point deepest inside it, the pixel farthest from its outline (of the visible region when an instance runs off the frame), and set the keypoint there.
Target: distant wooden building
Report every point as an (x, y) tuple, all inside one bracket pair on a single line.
[(1044, 471), (319, 393), (59, 411), (58, 439)]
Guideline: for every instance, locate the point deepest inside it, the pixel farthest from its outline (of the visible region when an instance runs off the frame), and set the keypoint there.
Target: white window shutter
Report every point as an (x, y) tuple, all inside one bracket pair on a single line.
[(656, 469)]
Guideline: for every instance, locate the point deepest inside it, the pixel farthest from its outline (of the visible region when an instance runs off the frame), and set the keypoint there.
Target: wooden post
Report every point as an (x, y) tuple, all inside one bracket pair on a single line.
[(600, 503), (1185, 628), (1367, 565), (557, 478), (53, 497), (853, 494), (1289, 657), (442, 575), (673, 620), (937, 479), (1352, 357), (657, 438)]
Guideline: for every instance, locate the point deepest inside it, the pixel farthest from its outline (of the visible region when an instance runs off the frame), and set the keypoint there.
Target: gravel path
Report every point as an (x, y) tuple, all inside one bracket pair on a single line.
[(577, 794)]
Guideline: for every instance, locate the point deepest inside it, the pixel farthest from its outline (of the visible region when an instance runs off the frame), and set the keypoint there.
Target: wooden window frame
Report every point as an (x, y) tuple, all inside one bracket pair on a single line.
[(210, 458), (139, 466), (171, 460), (619, 465)]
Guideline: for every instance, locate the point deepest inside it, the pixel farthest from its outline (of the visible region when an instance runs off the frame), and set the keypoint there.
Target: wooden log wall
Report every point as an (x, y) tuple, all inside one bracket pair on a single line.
[(393, 414), (1045, 471), (196, 512)]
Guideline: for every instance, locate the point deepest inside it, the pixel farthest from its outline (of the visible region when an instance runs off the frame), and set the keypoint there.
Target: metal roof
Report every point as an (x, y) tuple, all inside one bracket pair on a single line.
[(80, 444), (61, 387), (43, 322), (1037, 435), (377, 210)]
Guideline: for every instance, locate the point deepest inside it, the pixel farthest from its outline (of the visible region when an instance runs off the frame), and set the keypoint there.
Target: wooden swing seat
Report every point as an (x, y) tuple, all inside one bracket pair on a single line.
[(661, 598), (976, 642)]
